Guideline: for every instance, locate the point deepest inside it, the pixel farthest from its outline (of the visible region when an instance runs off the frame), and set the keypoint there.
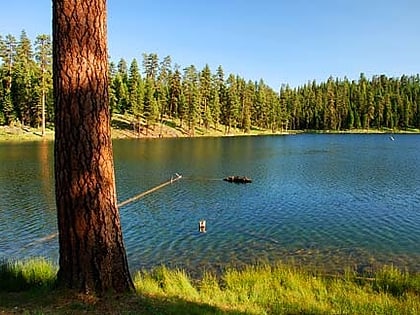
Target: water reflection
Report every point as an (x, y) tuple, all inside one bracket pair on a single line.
[(45, 158), (324, 200), (27, 210)]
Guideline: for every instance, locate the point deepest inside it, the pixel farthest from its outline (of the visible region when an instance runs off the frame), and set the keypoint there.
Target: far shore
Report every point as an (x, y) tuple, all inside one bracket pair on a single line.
[(122, 128), (16, 134)]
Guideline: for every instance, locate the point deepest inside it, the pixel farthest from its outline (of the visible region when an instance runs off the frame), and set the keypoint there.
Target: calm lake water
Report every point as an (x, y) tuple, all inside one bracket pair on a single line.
[(325, 200)]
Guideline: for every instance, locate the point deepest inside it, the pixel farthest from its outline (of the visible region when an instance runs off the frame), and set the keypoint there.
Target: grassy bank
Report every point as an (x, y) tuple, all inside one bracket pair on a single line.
[(122, 127), (27, 287)]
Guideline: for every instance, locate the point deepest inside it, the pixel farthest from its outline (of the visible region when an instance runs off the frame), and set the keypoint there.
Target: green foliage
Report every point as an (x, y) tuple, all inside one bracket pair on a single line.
[(161, 280), (25, 275), (257, 289), (203, 98), (150, 106), (192, 96), (396, 282), (135, 90), (175, 94), (286, 289)]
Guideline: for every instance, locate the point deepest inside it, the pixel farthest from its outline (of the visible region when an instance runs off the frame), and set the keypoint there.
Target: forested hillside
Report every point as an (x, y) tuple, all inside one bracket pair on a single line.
[(158, 89)]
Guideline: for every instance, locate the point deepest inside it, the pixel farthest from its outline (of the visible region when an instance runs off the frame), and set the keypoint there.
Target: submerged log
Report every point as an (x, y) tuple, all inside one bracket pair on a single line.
[(238, 179)]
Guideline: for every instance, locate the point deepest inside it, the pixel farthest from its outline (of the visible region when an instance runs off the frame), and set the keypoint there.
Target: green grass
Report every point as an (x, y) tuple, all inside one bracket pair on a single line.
[(34, 273), (122, 127), (28, 287)]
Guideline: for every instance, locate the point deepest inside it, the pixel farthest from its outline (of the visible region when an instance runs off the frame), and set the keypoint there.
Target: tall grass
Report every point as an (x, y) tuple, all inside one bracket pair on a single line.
[(28, 274), (286, 289), (256, 289), (396, 282)]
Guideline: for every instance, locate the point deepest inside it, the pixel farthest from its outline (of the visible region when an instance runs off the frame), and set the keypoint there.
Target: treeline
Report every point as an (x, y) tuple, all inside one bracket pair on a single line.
[(25, 80), (380, 102), (159, 89)]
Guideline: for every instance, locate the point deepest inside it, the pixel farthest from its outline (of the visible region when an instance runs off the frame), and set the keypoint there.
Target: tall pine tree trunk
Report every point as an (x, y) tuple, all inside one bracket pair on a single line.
[(92, 254)]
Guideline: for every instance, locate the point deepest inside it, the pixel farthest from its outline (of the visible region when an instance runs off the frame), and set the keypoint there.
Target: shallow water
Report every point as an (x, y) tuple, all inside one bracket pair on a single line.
[(324, 200)]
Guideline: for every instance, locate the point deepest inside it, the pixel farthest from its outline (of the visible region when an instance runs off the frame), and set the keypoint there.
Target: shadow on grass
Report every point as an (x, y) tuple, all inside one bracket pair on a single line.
[(34, 274), (179, 306), (170, 123), (67, 302), (121, 124), (28, 288)]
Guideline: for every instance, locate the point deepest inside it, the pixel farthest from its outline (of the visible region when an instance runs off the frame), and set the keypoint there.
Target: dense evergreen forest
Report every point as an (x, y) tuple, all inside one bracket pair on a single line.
[(159, 89)]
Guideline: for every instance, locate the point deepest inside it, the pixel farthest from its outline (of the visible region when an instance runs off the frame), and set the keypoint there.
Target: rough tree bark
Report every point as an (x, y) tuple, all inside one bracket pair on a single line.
[(92, 255)]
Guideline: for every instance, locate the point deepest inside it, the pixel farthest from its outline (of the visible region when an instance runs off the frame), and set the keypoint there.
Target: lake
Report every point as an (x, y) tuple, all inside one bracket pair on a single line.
[(329, 201)]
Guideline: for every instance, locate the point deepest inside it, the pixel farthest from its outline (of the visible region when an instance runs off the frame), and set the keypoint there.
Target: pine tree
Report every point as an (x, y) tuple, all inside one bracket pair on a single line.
[(43, 56), (163, 86), (260, 107), (112, 70), (120, 93), (222, 90), (135, 94), (247, 102), (331, 112), (284, 96), (8, 56), (25, 95), (205, 94), (192, 97), (120, 87), (175, 94), (275, 116), (182, 107), (215, 101), (92, 254), (150, 105), (231, 110), (150, 66), (122, 69)]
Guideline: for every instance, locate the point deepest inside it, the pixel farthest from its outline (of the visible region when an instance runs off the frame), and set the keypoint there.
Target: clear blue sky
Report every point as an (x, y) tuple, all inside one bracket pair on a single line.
[(279, 41)]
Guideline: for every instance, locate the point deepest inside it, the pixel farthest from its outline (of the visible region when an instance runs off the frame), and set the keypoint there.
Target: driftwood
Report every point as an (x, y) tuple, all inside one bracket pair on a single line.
[(238, 179)]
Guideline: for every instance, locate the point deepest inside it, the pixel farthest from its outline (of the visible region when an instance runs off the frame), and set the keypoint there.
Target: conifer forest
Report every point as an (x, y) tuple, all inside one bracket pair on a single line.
[(154, 88)]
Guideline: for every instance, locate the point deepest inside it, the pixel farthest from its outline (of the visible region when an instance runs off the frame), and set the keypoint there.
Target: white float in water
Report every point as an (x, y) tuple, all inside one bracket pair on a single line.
[(202, 226)]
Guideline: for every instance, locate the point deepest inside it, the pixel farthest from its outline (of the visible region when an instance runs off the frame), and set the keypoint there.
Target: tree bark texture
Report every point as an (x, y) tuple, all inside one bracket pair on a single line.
[(92, 255)]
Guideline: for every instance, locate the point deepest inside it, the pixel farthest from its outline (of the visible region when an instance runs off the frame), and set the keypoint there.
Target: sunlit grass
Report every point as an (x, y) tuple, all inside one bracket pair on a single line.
[(28, 274), (285, 289), (396, 282), (256, 289)]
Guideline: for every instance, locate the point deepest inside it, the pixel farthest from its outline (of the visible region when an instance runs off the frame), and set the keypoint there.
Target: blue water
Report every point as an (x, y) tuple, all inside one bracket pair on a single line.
[(326, 200)]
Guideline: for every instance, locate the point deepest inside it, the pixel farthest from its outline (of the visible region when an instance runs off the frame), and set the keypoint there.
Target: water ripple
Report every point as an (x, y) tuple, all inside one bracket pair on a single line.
[(331, 201)]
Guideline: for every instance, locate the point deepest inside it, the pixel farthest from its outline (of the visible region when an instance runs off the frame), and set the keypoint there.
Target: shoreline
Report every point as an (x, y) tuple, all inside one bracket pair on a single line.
[(261, 288), (120, 129)]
